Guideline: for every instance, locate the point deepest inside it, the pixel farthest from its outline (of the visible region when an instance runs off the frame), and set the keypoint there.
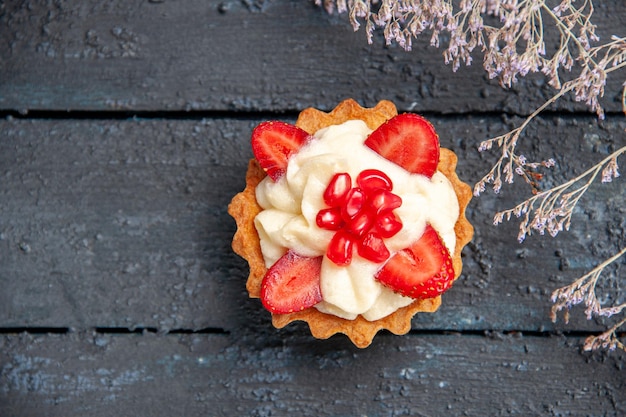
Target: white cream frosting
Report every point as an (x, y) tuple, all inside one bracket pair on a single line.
[(290, 206)]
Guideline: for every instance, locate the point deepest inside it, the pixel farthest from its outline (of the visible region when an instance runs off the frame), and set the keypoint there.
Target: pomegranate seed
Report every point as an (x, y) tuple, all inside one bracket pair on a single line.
[(373, 248), (360, 216), (337, 189), (361, 223), (340, 248), (388, 224), (373, 179), (330, 219), (353, 203), (384, 201)]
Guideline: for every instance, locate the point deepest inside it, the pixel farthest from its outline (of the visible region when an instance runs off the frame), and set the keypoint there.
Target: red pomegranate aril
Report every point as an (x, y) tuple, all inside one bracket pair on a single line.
[(337, 189), (373, 248), (373, 179), (353, 204), (361, 215), (340, 248), (388, 224), (384, 201), (361, 223), (330, 219)]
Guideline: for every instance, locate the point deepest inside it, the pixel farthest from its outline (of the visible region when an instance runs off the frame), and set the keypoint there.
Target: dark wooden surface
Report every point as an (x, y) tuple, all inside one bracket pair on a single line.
[(125, 133)]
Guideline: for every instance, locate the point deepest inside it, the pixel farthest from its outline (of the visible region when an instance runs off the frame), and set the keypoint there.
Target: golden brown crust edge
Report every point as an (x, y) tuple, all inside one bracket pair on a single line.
[(244, 208)]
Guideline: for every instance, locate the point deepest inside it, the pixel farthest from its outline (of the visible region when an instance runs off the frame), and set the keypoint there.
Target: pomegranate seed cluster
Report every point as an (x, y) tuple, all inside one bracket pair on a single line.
[(361, 216)]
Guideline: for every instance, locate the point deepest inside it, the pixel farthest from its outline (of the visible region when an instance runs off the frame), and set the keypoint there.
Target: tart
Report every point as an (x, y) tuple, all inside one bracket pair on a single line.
[(357, 220)]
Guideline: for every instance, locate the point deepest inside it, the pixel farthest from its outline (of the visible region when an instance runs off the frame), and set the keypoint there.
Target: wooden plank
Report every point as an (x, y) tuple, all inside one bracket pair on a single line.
[(123, 223), (106, 219), (215, 55), (104, 375)]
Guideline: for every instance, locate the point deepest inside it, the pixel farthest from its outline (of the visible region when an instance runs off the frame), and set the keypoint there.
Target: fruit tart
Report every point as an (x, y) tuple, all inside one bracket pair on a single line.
[(352, 221)]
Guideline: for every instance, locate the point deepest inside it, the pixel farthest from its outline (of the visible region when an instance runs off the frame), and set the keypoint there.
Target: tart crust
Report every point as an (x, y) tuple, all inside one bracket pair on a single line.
[(244, 208)]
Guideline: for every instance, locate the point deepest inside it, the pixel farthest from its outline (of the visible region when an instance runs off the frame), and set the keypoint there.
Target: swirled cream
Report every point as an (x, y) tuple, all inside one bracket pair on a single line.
[(290, 206)]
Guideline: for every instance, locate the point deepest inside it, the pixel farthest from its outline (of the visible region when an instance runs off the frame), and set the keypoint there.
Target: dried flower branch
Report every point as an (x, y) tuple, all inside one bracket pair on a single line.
[(587, 87), (583, 291), (607, 340), (513, 49), (557, 204)]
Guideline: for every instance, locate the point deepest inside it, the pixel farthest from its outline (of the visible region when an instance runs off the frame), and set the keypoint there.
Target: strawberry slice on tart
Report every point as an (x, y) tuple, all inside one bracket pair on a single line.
[(408, 140), (423, 270), (273, 142), (292, 284)]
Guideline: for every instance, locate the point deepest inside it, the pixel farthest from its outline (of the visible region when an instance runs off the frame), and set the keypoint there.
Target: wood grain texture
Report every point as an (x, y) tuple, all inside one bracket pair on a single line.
[(119, 291), (245, 375), (240, 56), (123, 223)]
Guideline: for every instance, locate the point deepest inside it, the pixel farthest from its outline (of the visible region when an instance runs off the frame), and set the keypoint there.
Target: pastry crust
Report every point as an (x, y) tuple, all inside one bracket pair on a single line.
[(244, 208)]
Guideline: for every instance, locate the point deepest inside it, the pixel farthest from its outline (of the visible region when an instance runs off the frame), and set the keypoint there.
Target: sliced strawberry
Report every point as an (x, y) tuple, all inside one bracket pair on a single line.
[(407, 140), (292, 284), (273, 143), (423, 270)]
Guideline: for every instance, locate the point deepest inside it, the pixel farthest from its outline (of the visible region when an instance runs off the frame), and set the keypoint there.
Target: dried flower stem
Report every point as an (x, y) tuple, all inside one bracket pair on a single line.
[(509, 162), (583, 290), (607, 340), (557, 204), (507, 142)]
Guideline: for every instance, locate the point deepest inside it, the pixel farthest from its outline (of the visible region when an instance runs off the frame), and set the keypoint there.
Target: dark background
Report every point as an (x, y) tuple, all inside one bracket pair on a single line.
[(125, 133)]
